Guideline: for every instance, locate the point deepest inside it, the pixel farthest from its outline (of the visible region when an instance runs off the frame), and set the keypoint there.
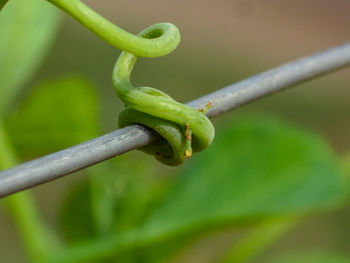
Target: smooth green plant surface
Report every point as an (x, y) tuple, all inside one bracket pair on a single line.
[(25, 39), (163, 38), (24, 43), (258, 240), (261, 174), (346, 164), (184, 130), (2, 3), (315, 256)]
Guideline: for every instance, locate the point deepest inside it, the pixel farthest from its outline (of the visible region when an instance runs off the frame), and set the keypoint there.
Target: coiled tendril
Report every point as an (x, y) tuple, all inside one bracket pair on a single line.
[(182, 129)]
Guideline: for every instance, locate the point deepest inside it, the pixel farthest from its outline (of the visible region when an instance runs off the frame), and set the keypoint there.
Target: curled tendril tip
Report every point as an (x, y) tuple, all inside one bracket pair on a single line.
[(182, 129)]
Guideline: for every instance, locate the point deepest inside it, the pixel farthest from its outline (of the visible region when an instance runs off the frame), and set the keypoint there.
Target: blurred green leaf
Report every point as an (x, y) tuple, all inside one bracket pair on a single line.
[(2, 3), (259, 238), (26, 32), (314, 257), (57, 114), (76, 214), (346, 164), (255, 169), (118, 195)]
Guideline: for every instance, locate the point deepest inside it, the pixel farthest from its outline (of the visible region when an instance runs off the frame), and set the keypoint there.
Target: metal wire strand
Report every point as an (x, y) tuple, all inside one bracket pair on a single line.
[(75, 158)]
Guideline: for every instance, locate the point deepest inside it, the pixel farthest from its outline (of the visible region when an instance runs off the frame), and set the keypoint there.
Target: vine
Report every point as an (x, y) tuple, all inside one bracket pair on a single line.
[(183, 130)]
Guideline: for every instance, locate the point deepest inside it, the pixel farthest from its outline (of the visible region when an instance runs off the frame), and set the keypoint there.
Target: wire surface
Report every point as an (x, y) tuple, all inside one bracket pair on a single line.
[(75, 158)]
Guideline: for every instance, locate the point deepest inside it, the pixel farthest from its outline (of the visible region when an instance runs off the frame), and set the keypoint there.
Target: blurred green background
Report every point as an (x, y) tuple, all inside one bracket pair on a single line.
[(223, 41)]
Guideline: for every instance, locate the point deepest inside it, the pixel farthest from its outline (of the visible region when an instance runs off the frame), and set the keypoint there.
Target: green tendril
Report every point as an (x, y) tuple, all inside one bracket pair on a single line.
[(182, 129), (161, 41)]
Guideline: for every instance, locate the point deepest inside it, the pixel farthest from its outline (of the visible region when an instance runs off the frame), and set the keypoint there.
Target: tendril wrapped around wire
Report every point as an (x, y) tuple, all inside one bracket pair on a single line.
[(182, 129)]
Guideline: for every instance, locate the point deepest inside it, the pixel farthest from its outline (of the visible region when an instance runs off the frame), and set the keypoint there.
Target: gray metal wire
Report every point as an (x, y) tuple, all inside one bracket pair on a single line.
[(75, 158)]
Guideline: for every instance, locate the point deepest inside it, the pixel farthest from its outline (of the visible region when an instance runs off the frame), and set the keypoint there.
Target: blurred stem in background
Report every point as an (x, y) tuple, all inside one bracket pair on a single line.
[(2, 3), (257, 241), (346, 162), (38, 240)]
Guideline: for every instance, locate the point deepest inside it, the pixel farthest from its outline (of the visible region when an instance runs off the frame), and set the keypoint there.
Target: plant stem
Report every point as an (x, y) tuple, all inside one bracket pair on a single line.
[(39, 242), (257, 241), (164, 40)]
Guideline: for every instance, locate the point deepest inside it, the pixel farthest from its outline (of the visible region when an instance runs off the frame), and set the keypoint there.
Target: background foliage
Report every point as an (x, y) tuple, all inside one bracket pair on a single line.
[(262, 177)]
